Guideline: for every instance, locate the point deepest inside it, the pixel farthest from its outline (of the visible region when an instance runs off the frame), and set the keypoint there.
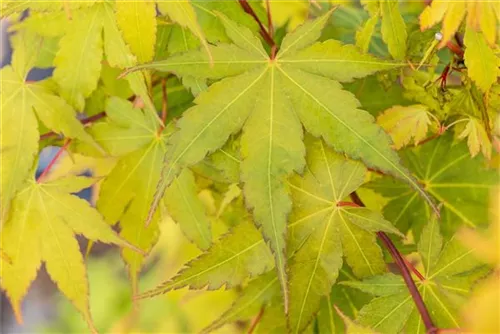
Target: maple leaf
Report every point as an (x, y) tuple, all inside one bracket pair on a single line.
[(477, 138), (481, 15), (461, 184), (481, 61), (136, 139), (238, 255), (405, 123), (443, 290), (271, 141), (19, 134), (41, 225), (327, 231)]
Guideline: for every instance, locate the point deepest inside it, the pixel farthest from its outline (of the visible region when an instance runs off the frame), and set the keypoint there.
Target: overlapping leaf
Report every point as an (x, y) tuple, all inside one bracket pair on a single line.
[(138, 142), (481, 61), (82, 47), (288, 97), (460, 183), (477, 138), (481, 15), (19, 127), (443, 290), (237, 256), (405, 123), (40, 228), (327, 231)]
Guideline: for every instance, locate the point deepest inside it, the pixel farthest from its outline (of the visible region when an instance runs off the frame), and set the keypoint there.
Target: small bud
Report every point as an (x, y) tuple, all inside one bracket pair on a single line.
[(438, 36)]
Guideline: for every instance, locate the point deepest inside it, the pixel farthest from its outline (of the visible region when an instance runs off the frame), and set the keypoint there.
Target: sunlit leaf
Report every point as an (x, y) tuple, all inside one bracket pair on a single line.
[(272, 147), (41, 227)]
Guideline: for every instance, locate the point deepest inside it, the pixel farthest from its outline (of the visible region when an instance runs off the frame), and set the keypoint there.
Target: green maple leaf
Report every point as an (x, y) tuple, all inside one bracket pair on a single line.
[(444, 289), (460, 183), (136, 139), (288, 98), (327, 231), (348, 300), (19, 134), (41, 225), (237, 256)]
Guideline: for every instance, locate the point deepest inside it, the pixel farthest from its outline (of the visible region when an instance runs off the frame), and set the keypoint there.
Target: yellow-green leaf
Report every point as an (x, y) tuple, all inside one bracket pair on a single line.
[(137, 21), (393, 28), (405, 123), (78, 61), (477, 138), (41, 227), (481, 62), (182, 12)]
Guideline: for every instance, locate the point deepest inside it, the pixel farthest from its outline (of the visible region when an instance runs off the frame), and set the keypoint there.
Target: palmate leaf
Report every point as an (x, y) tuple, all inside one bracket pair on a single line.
[(327, 231), (444, 289), (460, 183), (139, 144), (405, 123), (40, 228), (477, 138), (19, 134), (288, 96)]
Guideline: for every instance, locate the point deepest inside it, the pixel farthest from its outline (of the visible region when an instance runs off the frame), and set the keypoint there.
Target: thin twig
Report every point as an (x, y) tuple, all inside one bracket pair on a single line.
[(413, 269), (53, 161), (270, 27), (405, 273), (262, 30), (164, 104), (256, 320), (84, 121)]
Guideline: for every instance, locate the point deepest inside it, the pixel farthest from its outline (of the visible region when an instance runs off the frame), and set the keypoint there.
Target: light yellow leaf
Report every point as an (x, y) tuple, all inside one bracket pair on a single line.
[(78, 61), (480, 17), (477, 138), (405, 123), (481, 62), (137, 21)]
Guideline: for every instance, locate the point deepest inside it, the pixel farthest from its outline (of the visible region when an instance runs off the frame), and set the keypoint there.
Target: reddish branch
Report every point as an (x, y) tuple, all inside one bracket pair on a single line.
[(53, 161), (88, 120), (405, 273), (262, 30), (255, 321)]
